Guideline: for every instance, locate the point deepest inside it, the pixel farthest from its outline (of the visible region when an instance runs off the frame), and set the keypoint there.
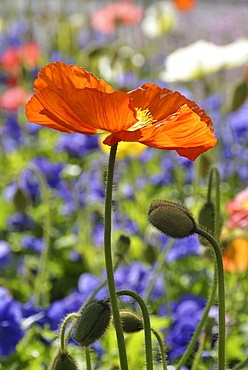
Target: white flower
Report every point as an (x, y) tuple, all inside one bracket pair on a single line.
[(159, 20), (203, 58)]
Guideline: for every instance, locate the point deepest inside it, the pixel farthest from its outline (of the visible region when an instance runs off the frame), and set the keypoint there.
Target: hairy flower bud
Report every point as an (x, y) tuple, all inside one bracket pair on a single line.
[(171, 219), (131, 322), (64, 361), (92, 323), (122, 245), (206, 216)]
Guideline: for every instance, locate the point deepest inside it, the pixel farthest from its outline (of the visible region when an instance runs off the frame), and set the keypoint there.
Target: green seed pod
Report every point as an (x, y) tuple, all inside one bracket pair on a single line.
[(20, 200), (206, 216), (92, 323), (64, 361), (171, 219), (131, 322)]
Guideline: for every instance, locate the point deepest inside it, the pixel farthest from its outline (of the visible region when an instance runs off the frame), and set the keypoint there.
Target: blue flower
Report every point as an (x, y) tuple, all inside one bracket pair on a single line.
[(20, 221), (30, 242), (183, 247), (186, 314), (88, 282), (10, 323), (4, 253), (76, 145)]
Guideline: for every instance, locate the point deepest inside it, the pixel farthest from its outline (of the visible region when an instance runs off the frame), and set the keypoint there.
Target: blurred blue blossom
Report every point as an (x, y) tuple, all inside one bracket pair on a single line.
[(10, 323), (4, 253), (88, 282), (30, 242), (186, 314), (76, 145), (11, 133), (183, 247), (20, 221)]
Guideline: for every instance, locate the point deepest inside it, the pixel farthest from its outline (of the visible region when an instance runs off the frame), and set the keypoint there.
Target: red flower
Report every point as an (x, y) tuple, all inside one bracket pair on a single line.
[(238, 210), (70, 99), (106, 19), (14, 57)]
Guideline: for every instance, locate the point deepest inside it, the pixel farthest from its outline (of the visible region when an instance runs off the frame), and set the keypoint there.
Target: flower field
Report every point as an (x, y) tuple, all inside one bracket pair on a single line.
[(124, 185)]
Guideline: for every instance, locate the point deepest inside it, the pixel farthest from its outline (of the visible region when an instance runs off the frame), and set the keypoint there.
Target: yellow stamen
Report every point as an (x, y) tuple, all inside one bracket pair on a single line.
[(144, 117)]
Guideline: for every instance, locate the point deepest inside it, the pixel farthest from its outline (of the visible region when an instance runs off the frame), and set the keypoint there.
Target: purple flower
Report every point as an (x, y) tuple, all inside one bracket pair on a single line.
[(30, 242), (4, 253), (10, 323), (88, 282), (76, 145), (182, 248), (20, 221), (186, 314)]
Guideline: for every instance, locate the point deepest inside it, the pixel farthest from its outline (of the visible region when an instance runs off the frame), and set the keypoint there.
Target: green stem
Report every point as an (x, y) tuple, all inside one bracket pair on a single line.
[(221, 293), (109, 263), (194, 338), (215, 171), (147, 325), (40, 288), (162, 350), (68, 318), (88, 359), (199, 352)]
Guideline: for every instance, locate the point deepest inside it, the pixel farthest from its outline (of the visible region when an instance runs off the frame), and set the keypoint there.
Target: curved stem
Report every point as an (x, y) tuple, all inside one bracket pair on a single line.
[(63, 328), (162, 350), (109, 263), (147, 325), (221, 293), (194, 338), (88, 359), (40, 282)]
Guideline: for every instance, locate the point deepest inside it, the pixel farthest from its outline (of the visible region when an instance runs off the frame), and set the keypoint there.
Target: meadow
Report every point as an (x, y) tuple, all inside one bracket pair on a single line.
[(123, 210)]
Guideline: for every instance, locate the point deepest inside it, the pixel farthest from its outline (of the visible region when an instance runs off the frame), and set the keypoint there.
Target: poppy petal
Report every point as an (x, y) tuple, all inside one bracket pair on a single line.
[(163, 102), (183, 131), (68, 76), (86, 111), (47, 108)]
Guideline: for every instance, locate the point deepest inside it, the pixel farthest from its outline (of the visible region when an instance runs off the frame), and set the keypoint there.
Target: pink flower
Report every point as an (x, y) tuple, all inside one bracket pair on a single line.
[(107, 18), (238, 210), (13, 98)]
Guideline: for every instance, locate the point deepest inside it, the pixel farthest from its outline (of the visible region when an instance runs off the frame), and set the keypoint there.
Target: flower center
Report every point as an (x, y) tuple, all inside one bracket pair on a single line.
[(144, 117), (245, 204)]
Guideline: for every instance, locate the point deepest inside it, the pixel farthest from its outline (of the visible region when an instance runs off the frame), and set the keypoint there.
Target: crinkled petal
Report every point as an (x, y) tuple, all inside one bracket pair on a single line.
[(183, 131), (163, 102), (85, 111), (68, 76)]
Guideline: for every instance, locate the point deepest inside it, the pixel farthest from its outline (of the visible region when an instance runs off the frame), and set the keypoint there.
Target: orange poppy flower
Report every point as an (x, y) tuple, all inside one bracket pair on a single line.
[(184, 4), (70, 99), (235, 257)]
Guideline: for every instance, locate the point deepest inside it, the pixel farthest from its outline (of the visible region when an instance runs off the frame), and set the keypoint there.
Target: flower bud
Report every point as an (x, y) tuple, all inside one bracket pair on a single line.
[(171, 219), (131, 322), (20, 200), (92, 323), (206, 216), (122, 245), (64, 361)]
